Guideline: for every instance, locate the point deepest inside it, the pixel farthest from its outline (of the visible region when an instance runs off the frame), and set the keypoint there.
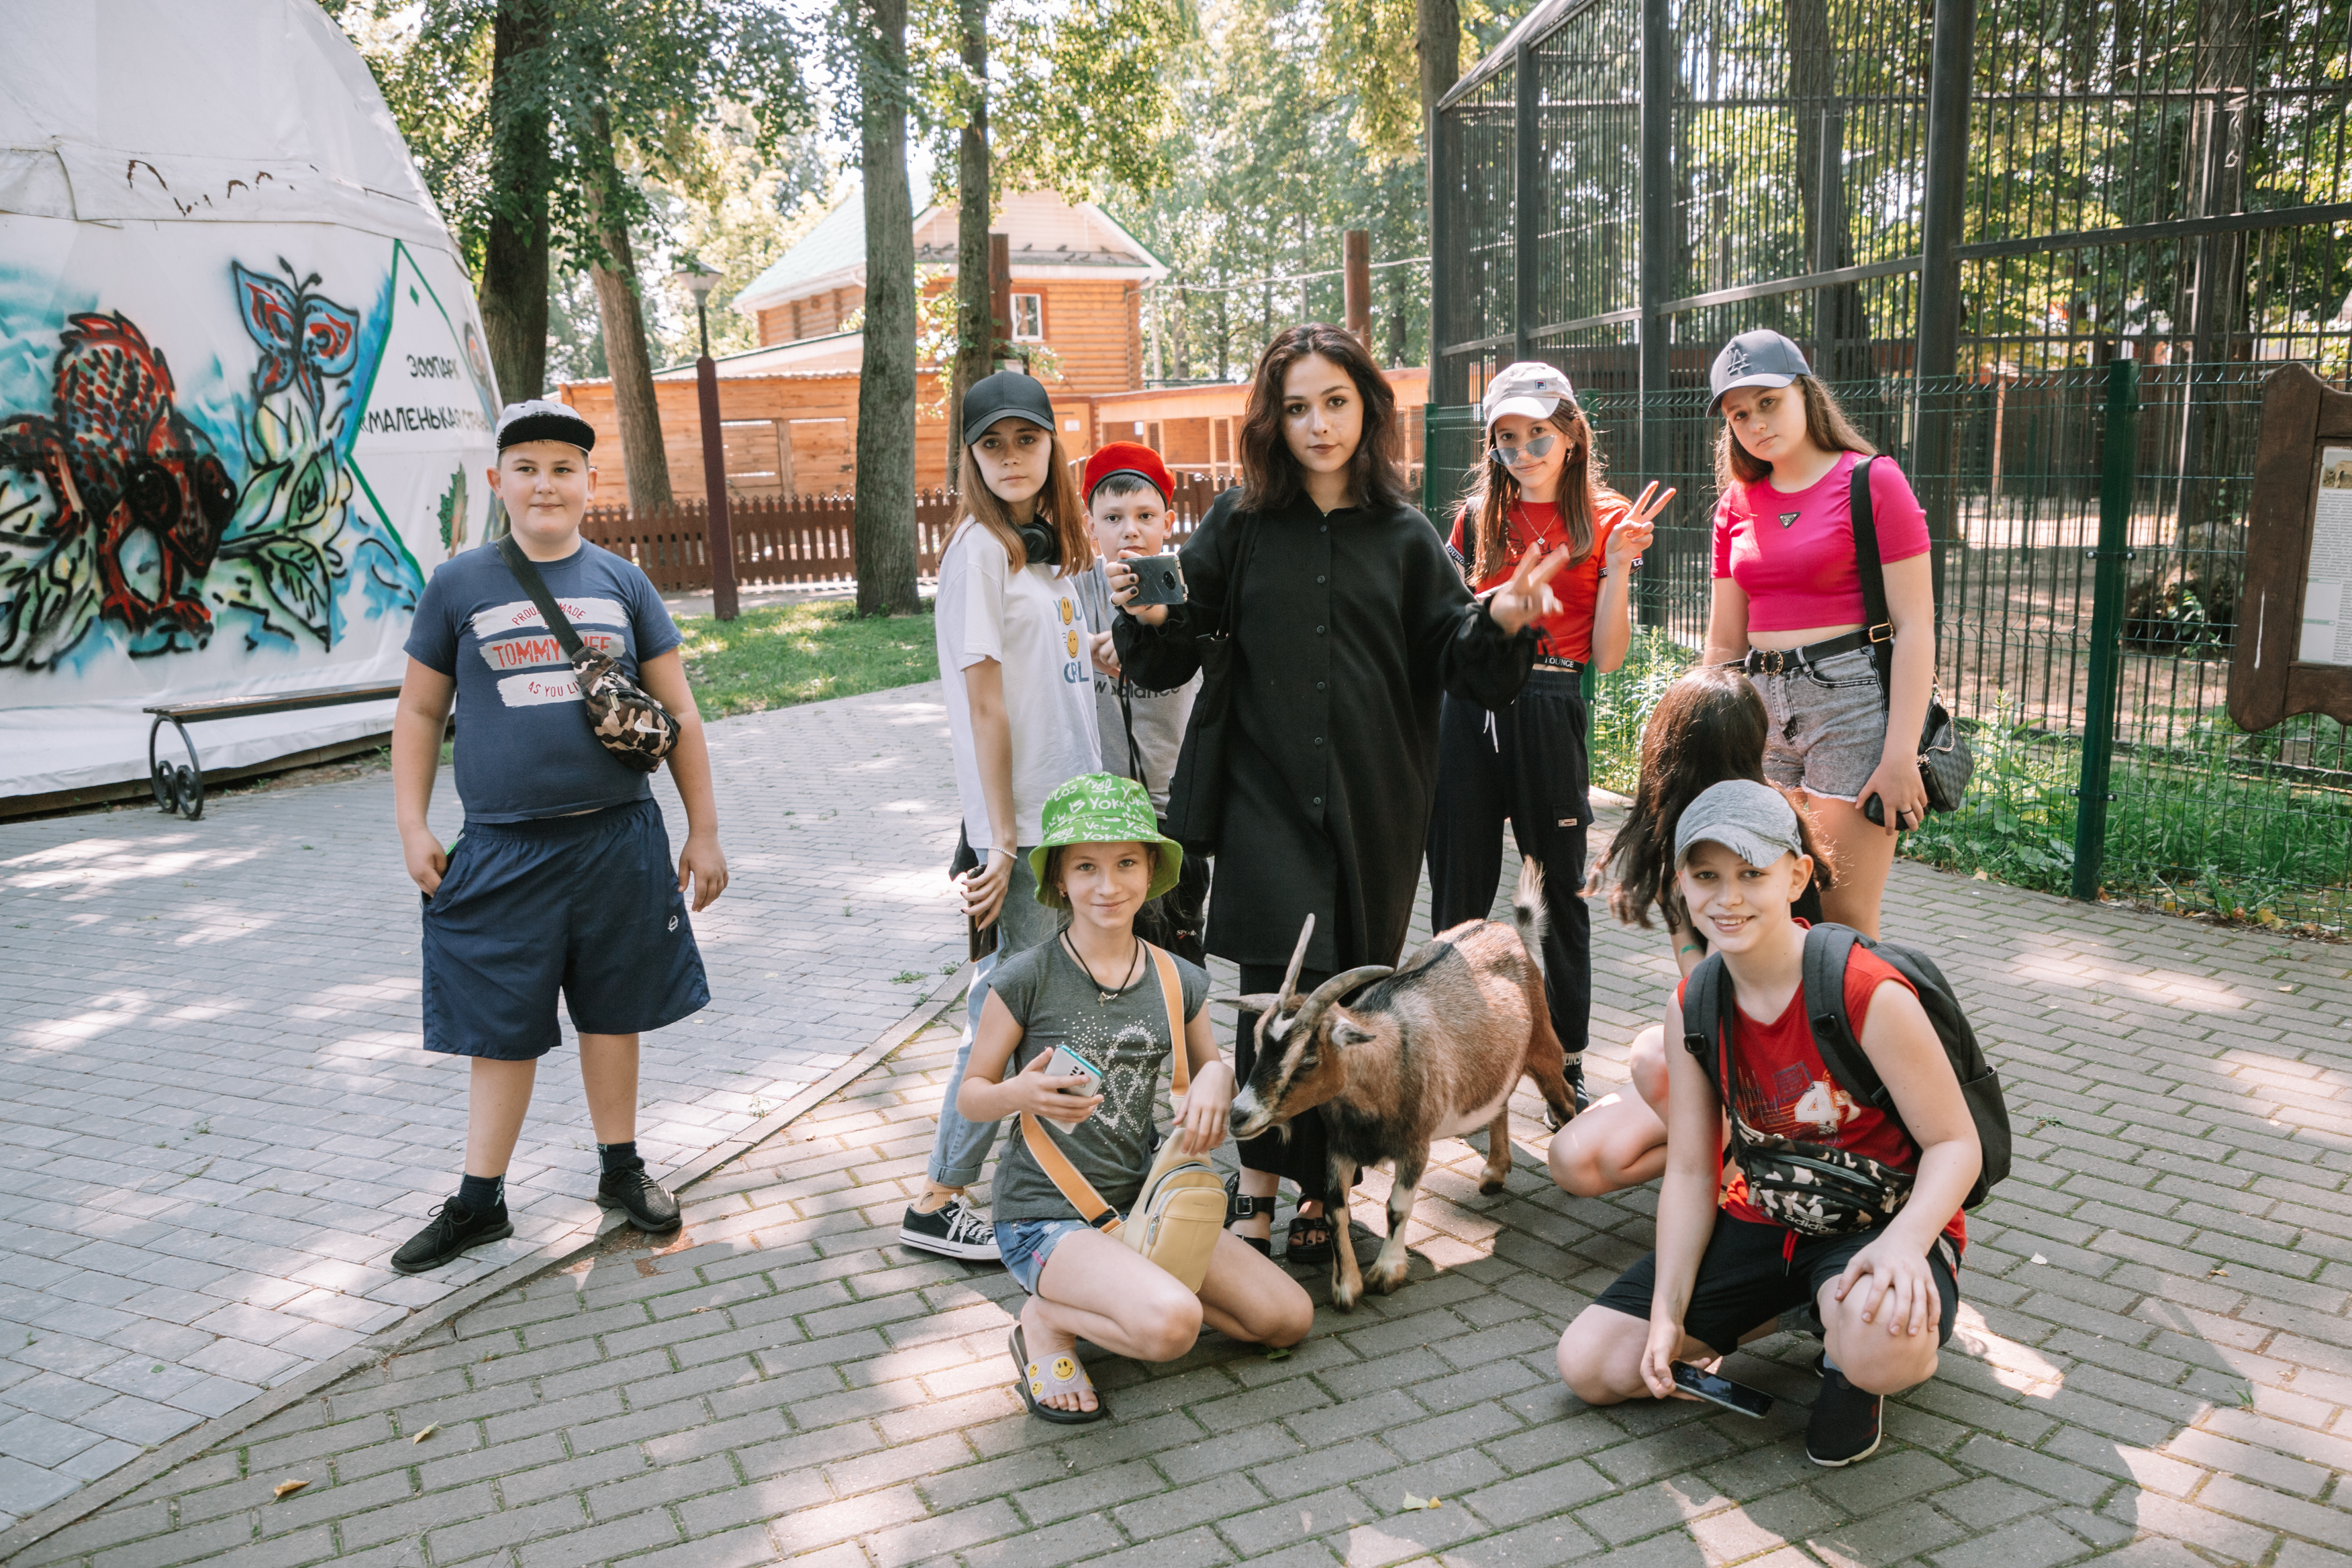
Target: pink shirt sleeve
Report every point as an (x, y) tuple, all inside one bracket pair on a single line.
[(1902, 522), (1723, 531)]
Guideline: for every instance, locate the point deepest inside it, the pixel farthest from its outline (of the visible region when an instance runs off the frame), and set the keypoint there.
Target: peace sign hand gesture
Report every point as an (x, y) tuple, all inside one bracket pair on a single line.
[(1635, 529), (1528, 592)]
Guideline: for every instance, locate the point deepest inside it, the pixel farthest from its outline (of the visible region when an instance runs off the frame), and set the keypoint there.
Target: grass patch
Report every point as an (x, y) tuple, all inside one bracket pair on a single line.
[(806, 652)]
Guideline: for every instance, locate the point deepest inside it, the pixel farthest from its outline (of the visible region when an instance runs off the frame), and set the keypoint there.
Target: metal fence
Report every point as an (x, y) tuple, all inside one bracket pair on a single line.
[(1969, 213)]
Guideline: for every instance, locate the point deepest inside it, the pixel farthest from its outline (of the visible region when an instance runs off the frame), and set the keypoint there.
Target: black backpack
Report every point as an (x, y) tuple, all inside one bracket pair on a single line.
[(1707, 1004)]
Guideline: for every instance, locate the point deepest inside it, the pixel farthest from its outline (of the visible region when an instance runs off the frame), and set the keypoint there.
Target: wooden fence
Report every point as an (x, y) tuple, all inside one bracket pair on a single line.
[(809, 541)]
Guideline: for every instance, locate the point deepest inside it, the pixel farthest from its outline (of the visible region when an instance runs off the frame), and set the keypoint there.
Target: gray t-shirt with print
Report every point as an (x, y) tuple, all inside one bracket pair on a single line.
[(1057, 1004)]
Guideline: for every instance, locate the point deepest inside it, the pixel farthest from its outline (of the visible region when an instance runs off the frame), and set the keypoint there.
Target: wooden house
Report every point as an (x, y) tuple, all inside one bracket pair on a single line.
[(790, 406)]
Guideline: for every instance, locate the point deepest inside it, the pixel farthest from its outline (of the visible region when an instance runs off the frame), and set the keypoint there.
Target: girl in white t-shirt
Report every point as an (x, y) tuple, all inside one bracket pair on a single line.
[(1021, 720)]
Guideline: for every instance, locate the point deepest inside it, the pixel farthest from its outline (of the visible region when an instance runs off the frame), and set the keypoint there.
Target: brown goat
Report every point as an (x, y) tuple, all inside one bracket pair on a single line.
[(1428, 1051)]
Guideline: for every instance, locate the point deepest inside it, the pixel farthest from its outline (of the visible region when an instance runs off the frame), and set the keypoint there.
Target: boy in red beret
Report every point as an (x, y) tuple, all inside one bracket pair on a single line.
[(1128, 490)]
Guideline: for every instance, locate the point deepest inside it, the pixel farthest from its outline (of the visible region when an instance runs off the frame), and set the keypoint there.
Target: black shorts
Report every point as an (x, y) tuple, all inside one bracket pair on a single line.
[(1744, 1281)]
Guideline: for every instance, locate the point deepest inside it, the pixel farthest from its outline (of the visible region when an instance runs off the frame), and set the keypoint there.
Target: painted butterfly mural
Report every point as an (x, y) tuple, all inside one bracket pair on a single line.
[(117, 509)]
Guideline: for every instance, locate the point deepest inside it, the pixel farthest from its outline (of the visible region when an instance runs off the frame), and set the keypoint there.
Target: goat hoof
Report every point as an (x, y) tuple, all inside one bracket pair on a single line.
[(1491, 1184), (1343, 1297), (1386, 1280)]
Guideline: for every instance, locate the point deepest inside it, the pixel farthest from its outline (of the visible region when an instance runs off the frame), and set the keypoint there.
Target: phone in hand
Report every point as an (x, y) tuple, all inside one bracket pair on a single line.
[(1874, 809), (1722, 1391), (1066, 1063), (1158, 580)]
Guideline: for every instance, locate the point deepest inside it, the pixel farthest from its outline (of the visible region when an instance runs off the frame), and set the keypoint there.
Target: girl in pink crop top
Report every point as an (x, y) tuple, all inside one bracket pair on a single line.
[(1792, 555), (1787, 603)]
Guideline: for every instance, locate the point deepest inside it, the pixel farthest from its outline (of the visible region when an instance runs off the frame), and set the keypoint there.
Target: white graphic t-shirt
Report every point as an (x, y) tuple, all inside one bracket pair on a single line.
[(1030, 622), (524, 748)]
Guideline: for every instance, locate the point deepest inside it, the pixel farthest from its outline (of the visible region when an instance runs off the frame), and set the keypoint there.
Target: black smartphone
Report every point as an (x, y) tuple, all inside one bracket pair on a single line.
[(1158, 580), (1874, 810), (1722, 1391)]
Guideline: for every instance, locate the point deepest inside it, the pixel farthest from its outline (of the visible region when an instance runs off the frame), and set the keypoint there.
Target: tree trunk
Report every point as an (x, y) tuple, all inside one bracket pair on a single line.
[(976, 325), (885, 523), (1840, 352), (513, 292), (622, 316), (1437, 41)]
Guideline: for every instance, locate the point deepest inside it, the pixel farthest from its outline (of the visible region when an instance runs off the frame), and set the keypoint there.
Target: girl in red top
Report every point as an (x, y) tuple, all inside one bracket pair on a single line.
[(1724, 1272), (1540, 490), (1788, 608)]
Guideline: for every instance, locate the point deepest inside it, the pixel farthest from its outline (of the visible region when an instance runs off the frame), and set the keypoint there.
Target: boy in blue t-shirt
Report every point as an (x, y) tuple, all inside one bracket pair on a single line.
[(562, 880)]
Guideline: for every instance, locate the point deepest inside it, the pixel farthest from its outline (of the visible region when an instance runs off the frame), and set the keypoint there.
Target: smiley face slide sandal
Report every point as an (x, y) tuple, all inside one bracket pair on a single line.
[(1042, 1379)]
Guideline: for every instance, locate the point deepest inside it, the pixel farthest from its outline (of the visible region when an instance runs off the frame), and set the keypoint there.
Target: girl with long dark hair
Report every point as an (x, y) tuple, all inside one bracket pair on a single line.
[(1709, 726), (1538, 487), (1789, 609), (1351, 623)]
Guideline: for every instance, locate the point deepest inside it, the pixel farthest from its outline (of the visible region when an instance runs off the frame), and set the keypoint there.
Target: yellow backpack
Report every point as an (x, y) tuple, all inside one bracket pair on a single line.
[(1181, 1211)]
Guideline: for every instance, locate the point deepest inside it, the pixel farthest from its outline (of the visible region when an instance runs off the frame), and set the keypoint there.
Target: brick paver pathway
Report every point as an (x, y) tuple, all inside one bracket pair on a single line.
[(2155, 1366), (215, 1122)]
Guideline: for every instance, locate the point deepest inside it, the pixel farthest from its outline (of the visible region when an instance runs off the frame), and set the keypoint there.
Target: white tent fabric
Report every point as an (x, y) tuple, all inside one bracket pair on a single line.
[(244, 401)]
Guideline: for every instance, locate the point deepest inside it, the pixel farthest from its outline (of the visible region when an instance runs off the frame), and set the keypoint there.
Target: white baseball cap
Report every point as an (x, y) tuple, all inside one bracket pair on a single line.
[(1529, 387)]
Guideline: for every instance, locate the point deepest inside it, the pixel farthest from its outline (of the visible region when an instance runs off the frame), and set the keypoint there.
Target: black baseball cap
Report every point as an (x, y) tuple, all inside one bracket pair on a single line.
[(539, 419), (1007, 395), (1760, 358)]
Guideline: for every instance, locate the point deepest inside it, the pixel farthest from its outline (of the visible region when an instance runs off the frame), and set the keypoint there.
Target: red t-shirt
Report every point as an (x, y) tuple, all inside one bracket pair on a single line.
[(1784, 1088), (1568, 632), (1794, 552)]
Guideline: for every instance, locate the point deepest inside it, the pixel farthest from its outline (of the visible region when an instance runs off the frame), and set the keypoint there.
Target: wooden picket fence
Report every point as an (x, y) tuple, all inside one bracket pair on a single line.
[(807, 540)]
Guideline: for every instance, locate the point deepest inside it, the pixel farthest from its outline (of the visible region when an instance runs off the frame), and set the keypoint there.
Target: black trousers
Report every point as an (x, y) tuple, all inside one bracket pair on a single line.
[(1532, 768), (1299, 1157)]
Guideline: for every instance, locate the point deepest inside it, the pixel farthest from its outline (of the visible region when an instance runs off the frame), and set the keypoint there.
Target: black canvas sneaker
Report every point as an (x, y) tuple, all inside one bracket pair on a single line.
[(649, 1204), (952, 1230), (1845, 1425), (453, 1230)]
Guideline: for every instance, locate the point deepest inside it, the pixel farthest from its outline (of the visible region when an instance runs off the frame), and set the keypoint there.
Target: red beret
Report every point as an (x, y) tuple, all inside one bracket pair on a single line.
[(1128, 457)]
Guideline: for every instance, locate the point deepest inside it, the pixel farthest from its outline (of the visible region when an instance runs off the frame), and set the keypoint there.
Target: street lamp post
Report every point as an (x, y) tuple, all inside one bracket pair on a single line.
[(698, 281)]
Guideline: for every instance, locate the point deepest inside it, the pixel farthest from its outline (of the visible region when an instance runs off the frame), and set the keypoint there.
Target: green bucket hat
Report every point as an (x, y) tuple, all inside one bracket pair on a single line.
[(1104, 808)]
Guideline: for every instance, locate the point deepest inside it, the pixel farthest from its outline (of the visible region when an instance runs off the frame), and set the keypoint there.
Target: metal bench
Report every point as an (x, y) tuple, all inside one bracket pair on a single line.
[(181, 788)]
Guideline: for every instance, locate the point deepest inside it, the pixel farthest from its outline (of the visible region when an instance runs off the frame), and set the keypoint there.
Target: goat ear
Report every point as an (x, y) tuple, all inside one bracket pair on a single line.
[(1256, 1002), (1346, 1031)]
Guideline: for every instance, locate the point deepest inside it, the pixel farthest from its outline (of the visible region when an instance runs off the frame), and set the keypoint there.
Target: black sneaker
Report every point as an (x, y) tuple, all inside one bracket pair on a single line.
[(1845, 1425), (649, 1204), (453, 1230), (1572, 1069), (954, 1230)]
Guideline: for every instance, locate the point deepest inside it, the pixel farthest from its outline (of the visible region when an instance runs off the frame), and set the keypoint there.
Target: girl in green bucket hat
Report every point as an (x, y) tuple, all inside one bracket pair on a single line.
[(1093, 1004)]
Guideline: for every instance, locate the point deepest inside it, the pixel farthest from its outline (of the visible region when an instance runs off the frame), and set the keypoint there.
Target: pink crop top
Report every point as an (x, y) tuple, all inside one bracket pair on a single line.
[(1793, 554)]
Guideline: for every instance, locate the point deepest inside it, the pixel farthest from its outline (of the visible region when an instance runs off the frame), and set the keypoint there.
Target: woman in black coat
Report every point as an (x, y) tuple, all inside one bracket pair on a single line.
[(1350, 623)]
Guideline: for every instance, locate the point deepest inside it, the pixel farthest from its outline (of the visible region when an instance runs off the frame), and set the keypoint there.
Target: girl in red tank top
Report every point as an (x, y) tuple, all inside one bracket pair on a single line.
[(1537, 492), (1725, 1272)]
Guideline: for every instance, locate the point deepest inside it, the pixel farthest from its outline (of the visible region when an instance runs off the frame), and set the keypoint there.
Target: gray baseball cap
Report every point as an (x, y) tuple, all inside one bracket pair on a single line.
[(1007, 395), (1752, 820), (1529, 387), (1760, 358)]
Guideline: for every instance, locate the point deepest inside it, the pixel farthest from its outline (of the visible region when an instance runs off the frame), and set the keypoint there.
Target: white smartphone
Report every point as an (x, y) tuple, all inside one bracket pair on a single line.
[(1065, 1063)]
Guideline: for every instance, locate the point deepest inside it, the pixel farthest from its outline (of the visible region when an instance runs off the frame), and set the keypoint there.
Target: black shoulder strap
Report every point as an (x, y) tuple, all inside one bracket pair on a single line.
[(1703, 996), (1828, 949), (1871, 568), (535, 586)]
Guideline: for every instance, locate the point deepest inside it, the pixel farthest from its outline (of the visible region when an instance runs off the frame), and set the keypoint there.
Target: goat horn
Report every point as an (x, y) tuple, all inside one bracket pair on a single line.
[(1310, 1016), (1297, 959)]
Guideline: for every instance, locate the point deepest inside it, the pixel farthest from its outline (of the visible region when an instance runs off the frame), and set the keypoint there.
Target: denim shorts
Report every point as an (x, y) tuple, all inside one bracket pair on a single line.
[(1026, 1244), (1827, 729)]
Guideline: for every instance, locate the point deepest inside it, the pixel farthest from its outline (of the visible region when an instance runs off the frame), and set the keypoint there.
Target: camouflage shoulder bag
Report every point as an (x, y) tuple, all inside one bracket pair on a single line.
[(627, 719)]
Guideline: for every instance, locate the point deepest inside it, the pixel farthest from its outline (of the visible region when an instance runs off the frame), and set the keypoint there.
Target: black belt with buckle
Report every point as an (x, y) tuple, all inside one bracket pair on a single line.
[(1787, 660)]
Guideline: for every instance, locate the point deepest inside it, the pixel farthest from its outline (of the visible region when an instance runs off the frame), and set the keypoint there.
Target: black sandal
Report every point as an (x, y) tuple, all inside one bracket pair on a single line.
[(1238, 1207), (1311, 1240)]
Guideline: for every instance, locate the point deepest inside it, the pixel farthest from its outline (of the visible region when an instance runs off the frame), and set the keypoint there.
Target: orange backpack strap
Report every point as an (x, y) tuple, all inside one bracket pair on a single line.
[(1048, 1155)]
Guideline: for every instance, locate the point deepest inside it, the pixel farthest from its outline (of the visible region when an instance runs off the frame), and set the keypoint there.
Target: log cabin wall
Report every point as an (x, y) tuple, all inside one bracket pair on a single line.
[(786, 434)]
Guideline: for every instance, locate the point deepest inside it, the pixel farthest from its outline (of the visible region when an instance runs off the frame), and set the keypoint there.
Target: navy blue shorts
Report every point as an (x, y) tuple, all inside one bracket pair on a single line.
[(587, 905)]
